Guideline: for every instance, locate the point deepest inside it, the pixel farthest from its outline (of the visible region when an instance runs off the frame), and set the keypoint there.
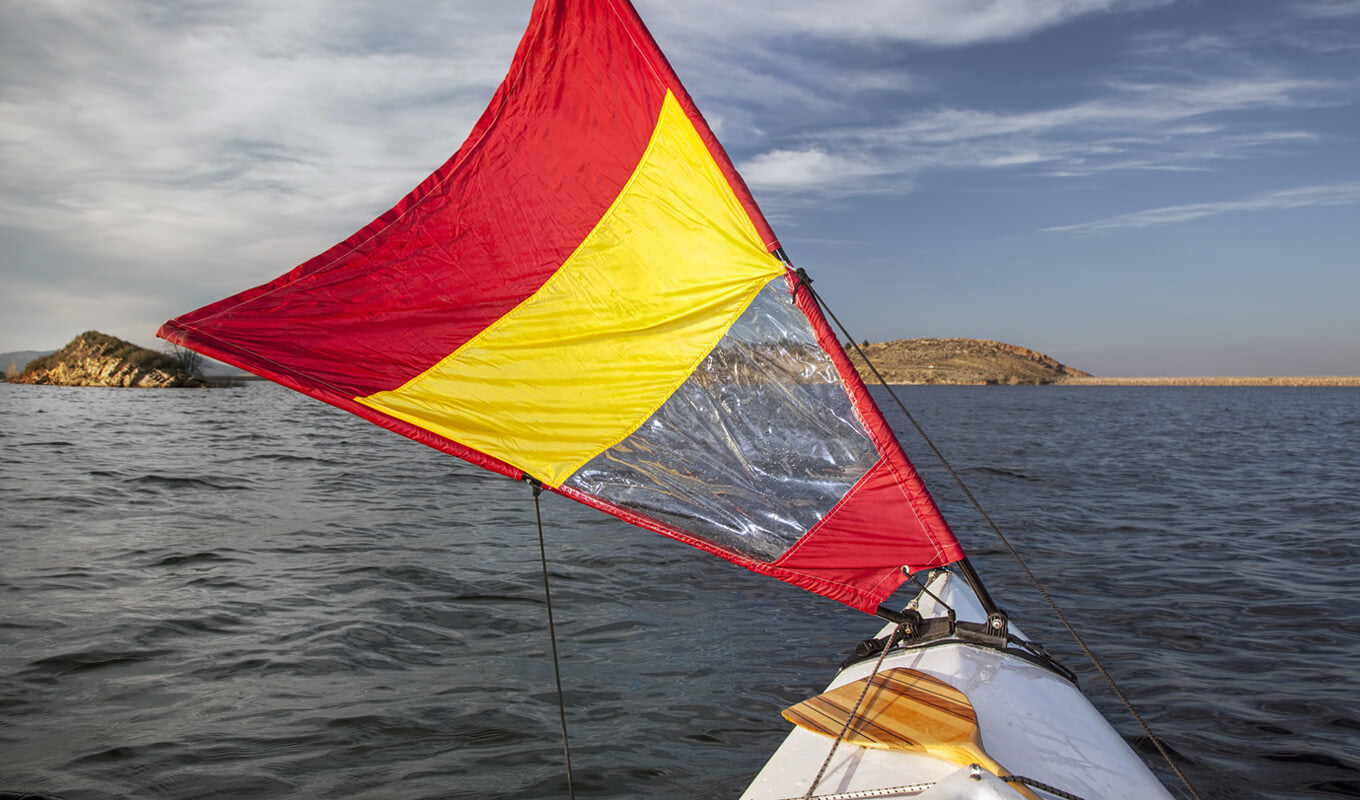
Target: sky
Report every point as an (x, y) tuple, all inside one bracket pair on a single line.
[(1134, 187)]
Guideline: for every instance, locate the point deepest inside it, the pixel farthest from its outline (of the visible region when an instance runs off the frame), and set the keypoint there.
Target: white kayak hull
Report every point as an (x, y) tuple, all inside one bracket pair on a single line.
[(1032, 721)]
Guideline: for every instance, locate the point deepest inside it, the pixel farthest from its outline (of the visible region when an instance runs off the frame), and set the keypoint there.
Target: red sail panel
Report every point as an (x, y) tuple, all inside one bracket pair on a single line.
[(866, 546)]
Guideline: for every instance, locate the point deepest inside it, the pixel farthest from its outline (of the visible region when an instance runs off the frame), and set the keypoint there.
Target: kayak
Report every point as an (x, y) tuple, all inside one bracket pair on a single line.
[(1030, 718)]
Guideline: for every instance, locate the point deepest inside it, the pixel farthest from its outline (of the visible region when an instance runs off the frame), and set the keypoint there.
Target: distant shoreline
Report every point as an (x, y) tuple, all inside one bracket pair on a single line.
[(1260, 380)]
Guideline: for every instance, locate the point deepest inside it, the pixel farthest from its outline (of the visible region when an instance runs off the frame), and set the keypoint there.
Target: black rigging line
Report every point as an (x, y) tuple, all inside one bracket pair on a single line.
[(806, 283), (552, 634), (926, 589), (897, 633)]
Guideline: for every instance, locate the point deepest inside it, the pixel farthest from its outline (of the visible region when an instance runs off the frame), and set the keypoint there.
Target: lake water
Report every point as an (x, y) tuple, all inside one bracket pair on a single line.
[(246, 594)]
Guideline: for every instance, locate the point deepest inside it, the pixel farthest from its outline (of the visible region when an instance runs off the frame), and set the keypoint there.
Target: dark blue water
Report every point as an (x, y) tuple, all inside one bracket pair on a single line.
[(245, 594)]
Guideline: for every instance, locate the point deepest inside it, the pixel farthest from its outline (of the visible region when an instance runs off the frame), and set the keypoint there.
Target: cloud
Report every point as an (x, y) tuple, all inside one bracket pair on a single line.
[(796, 169), (1135, 126), (951, 24), (162, 122), (1337, 194), (1326, 9), (1132, 112)]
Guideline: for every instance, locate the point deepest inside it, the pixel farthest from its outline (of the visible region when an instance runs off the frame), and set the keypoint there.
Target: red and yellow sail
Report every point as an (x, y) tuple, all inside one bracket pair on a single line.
[(586, 294)]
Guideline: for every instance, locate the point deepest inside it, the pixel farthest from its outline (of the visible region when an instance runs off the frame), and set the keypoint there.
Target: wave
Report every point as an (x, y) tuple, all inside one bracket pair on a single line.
[(155, 481)]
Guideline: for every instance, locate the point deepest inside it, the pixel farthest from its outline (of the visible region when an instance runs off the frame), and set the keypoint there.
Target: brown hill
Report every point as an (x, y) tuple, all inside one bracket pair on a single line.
[(97, 359), (974, 362)]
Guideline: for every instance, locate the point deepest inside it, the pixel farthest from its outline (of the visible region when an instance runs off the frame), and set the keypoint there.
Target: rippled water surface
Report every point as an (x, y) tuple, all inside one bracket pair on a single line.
[(246, 594)]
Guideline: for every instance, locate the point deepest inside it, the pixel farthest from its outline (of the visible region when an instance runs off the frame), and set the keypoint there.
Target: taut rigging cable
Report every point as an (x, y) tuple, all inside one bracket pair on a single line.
[(552, 634)]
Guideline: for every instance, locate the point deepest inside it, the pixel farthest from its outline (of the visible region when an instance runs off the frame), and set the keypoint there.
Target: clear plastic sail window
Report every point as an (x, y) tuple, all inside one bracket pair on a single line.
[(753, 449)]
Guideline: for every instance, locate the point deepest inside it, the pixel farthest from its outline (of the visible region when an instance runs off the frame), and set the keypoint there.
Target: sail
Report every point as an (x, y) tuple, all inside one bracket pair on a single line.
[(587, 295)]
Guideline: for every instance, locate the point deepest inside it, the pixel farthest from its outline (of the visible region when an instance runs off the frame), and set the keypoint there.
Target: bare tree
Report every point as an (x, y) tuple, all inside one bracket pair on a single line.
[(189, 360)]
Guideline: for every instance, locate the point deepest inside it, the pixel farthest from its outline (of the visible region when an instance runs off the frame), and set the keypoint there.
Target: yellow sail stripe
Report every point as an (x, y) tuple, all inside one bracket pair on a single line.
[(585, 360)]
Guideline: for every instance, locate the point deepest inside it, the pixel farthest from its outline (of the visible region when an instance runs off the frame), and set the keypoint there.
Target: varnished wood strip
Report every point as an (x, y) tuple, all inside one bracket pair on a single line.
[(931, 690), (900, 707), (827, 716)]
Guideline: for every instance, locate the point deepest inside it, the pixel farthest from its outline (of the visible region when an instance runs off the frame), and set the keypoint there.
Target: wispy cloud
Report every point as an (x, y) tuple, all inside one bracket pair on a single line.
[(1326, 9), (1136, 126), (178, 131), (958, 22), (798, 168), (772, 57), (1337, 194)]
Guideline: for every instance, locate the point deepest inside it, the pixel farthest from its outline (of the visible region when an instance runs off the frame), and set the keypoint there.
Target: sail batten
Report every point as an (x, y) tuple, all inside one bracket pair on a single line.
[(586, 294)]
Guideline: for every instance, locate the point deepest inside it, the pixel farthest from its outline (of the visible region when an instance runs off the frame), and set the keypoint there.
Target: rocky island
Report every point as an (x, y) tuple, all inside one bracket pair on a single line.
[(959, 362), (97, 359)]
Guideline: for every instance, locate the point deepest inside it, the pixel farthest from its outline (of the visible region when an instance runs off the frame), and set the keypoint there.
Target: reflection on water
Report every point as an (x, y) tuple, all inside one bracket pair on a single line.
[(245, 593)]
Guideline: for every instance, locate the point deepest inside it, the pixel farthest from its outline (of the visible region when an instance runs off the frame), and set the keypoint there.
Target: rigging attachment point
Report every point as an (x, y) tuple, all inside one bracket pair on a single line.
[(804, 280)]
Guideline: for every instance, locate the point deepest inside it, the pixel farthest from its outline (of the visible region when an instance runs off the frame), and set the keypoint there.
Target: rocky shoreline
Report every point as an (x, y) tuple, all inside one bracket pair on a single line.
[(97, 359), (981, 362), (1222, 380)]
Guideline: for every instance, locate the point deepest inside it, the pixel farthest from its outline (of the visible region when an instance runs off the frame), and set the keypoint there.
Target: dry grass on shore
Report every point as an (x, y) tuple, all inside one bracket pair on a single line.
[(1173, 380)]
